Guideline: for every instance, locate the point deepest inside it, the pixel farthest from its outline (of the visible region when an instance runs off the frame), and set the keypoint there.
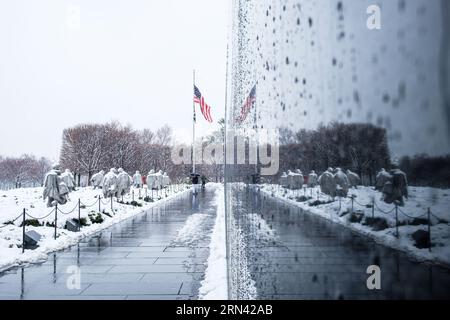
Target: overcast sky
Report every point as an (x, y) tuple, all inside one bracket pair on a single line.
[(67, 62)]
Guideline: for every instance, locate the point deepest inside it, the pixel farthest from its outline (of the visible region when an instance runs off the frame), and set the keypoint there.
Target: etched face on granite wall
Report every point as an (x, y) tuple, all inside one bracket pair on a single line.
[(314, 63)]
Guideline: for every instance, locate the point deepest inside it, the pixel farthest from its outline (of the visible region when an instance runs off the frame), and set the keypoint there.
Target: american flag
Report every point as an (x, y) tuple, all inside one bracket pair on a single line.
[(205, 109), (248, 104)]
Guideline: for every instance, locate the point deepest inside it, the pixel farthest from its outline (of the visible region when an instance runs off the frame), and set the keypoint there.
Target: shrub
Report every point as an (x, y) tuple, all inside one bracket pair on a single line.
[(356, 216), (95, 217), (32, 222), (418, 221), (148, 199), (376, 223), (82, 222), (302, 199), (135, 204), (319, 202), (421, 238)]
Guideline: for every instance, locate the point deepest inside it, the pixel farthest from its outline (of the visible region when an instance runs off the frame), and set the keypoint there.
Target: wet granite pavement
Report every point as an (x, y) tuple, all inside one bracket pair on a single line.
[(313, 258), (134, 259)]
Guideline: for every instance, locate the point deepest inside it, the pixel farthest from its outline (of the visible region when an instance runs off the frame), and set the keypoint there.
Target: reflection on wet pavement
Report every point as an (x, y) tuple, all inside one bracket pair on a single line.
[(312, 258)]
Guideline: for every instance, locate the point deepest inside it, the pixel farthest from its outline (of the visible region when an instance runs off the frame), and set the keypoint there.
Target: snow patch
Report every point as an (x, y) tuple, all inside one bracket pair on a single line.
[(215, 284), (192, 231)]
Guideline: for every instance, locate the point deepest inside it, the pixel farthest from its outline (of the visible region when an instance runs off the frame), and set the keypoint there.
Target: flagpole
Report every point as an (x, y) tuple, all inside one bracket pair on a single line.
[(193, 129)]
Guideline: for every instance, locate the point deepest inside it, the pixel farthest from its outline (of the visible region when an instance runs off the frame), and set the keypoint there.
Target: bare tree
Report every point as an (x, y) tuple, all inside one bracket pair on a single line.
[(83, 148)]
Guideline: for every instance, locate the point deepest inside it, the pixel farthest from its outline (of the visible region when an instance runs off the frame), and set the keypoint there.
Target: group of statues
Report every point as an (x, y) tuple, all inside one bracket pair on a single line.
[(333, 182), (336, 182), (117, 182), (295, 180)]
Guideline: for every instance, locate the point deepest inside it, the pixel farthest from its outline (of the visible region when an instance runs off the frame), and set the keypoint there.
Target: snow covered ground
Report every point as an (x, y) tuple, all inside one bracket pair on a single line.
[(215, 284), (420, 199), (12, 203)]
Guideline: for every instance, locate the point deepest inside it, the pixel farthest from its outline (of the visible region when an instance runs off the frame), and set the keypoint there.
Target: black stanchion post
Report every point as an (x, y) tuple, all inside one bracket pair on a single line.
[(429, 229), (340, 204), (352, 197), (132, 195), (396, 220), (79, 214), (373, 208), (23, 231), (99, 203), (56, 217)]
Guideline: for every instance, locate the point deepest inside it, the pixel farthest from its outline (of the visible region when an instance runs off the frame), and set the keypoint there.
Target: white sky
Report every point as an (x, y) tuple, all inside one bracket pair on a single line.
[(67, 62)]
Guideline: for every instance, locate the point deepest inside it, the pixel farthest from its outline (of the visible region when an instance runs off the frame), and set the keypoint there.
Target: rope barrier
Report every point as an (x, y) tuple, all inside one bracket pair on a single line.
[(69, 211), (435, 216), (362, 205), (411, 217), (382, 211), (29, 215), (88, 206), (11, 222)]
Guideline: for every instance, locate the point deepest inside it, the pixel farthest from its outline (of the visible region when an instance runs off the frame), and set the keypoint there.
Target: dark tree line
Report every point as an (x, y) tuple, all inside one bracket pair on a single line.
[(423, 170), (24, 171), (361, 148)]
